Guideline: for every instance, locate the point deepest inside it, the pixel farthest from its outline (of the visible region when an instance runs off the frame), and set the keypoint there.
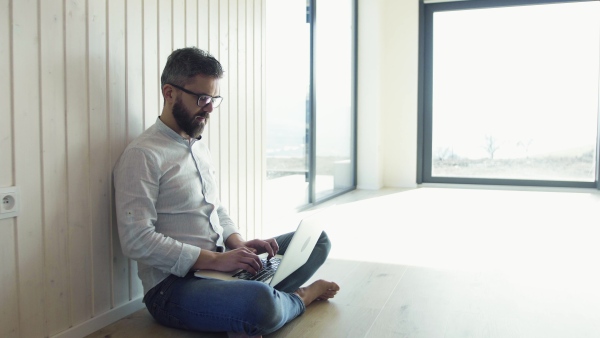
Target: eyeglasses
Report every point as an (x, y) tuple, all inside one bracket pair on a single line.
[(203, 99)]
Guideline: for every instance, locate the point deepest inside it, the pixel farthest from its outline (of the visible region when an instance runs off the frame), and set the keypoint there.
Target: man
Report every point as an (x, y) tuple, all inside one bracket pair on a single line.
[(171, 222)]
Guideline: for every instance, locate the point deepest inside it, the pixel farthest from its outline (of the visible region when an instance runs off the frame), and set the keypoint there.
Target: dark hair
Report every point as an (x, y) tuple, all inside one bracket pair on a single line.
[(188, 62)]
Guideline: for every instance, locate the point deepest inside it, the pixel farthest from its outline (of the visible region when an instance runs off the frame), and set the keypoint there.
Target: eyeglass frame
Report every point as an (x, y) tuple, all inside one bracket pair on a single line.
[(212, 98)]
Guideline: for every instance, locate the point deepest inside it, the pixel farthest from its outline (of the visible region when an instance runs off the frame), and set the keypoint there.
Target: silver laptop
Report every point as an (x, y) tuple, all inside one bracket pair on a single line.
[(301, 246)]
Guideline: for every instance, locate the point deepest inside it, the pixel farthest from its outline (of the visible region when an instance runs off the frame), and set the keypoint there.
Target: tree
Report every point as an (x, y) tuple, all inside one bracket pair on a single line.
[(525, 144), (491, 145)]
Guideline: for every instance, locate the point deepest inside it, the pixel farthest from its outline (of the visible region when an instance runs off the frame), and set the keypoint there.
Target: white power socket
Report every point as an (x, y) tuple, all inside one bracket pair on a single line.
[(9, 202)]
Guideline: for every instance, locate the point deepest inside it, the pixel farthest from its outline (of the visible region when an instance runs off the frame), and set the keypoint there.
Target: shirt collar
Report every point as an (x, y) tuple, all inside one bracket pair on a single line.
[(172, 134)]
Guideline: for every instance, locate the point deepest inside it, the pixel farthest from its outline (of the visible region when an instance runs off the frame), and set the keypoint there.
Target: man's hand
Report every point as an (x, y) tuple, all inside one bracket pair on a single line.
[(257, 246), (240, 258), (269, 246)]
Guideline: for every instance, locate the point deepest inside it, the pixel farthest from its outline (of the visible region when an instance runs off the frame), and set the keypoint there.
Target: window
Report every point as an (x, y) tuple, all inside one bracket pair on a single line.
[(310, 101), (510, 92)]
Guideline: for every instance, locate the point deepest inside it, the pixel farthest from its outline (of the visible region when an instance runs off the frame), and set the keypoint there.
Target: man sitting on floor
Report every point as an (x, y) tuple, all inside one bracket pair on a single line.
[(171, 222)]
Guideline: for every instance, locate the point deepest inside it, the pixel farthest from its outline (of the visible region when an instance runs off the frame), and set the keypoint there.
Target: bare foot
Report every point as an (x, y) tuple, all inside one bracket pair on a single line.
[(319, 290)]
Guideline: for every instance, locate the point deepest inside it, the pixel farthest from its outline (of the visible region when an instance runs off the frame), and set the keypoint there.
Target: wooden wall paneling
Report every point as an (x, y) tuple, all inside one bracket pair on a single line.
[(179, 24), (251, 118), (27, 167), (134, 69), (203, 23), (259, 113), (233, 109), (9, 314), (212, 132), (99, 180), (152, 97), (191, 23), (241, 92), (165, 28), (260, 127), (223, 111), (135, 102), (6, 116), (78, 165), (100, 169), (54, 170), (117, 133)]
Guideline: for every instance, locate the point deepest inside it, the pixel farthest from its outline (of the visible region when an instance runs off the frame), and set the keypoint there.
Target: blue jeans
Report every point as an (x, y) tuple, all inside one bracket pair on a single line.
[(255, 308)]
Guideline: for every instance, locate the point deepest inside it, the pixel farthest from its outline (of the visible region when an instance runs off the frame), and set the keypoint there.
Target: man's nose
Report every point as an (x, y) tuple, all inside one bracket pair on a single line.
[(208, 108)]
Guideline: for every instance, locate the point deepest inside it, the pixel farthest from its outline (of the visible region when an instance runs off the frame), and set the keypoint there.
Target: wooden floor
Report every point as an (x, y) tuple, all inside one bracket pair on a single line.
[(435, 262)]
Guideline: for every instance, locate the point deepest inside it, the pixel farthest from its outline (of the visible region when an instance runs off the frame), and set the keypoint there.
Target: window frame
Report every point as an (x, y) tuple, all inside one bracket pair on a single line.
[(425, 118)]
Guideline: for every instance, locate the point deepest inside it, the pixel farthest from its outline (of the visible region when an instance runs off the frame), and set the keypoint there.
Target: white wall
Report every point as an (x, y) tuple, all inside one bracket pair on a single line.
[(79, 80), (387, 86)]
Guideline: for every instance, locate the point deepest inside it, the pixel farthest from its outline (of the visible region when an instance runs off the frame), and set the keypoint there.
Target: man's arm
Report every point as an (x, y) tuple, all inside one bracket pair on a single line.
[(136, 180)]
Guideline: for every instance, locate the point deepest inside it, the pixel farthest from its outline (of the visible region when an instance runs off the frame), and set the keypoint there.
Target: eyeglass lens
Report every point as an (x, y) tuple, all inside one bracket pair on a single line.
[(204, 100)]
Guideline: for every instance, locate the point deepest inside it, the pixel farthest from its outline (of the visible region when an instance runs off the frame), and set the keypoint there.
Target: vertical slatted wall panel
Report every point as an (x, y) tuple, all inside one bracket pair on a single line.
[(178, 23), (213, 48), (232, 96), (78, 81), (134, 99), (152, 96), (259, 113), (9, 320), (54, 159), (118, 132), (250, 113), (78, 164), (100, 178), (191, 23), (242, 118), (223, 112), (27, 164)]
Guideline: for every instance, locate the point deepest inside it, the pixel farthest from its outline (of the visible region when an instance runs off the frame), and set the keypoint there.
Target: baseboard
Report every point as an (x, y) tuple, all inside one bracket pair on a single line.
[(103, 320)]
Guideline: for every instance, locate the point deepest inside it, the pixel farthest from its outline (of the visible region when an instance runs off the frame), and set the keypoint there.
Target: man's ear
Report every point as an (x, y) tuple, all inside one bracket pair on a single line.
[(168, 93)]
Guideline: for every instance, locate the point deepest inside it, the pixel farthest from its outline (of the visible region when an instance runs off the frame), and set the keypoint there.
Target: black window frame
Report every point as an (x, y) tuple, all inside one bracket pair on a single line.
[(425, 73)]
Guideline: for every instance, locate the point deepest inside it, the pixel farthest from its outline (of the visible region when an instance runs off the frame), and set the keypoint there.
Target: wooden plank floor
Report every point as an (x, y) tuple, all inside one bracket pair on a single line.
[(449, 263)]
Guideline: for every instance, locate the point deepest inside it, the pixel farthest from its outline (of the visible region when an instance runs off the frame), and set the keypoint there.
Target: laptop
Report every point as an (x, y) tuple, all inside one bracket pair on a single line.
[(301, 246)]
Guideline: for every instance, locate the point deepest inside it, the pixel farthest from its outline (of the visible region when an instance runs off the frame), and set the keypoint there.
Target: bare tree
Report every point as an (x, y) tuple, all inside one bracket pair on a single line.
[(442, 153), (525, 144), (491, 145)]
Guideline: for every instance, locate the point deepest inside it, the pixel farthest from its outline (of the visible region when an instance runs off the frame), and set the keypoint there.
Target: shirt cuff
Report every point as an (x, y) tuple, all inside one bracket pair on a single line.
[(189, 255)]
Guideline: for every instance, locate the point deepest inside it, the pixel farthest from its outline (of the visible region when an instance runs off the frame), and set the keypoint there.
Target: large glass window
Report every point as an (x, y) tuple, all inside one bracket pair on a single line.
[(288, 72), (310, 53), (511, 92), (334, 97)]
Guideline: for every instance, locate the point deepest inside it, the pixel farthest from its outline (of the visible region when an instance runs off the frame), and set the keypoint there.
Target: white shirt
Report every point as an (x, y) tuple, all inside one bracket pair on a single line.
[(167, 205)]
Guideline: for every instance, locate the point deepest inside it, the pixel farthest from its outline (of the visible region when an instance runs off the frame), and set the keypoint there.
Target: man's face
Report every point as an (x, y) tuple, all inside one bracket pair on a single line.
[(192, 123), (190, 117)]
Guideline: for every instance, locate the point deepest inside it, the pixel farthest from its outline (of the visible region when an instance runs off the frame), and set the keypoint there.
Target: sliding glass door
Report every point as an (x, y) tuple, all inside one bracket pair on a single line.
[(310, 60)]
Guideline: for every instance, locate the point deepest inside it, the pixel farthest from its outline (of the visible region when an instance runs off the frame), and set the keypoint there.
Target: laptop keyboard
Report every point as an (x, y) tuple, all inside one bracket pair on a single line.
[(268, 270)]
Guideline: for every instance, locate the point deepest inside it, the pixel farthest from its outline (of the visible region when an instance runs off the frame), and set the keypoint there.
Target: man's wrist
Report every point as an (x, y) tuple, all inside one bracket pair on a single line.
[(235, 241), (206, 260)]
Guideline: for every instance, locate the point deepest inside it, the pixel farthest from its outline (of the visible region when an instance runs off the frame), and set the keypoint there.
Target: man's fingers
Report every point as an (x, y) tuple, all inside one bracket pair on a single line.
[(275, 246), (252, 261)]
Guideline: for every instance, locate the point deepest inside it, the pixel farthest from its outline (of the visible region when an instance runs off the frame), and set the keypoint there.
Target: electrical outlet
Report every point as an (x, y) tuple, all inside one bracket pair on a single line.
[(9, 202)]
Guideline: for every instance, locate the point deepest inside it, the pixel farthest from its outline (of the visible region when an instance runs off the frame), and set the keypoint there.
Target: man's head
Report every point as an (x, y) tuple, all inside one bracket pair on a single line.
[(185, 63), (190, 85)]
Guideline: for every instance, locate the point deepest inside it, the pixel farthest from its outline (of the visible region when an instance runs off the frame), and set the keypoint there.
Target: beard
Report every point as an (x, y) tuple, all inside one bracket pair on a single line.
[(188, 122)]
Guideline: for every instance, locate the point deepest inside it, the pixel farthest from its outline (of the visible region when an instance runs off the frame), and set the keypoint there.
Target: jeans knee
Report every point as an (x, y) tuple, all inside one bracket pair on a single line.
[(322, 247), (267, 310)]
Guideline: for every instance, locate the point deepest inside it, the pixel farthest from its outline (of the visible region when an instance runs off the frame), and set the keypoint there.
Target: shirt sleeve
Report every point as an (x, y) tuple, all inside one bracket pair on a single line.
[(229, 227), (136, 181)]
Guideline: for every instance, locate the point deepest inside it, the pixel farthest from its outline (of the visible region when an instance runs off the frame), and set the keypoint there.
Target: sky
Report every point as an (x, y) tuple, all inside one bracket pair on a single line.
[(525, 75)]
